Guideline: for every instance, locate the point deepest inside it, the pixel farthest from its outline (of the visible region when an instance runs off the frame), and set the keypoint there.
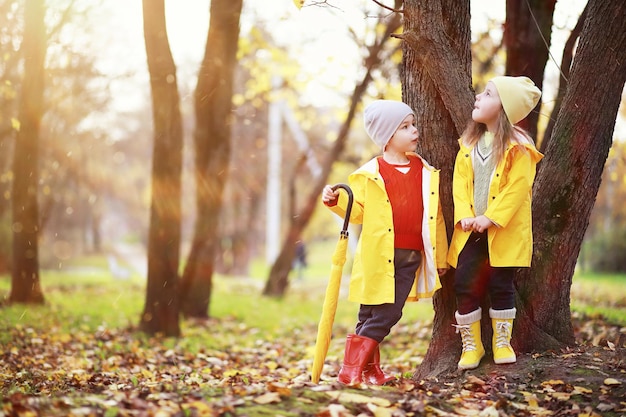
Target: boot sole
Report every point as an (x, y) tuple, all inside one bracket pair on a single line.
[(473, 365), (505, 361)]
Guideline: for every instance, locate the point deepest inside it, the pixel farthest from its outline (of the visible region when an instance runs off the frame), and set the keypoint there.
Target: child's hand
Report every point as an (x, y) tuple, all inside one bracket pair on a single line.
[(328, 195), (482, 223), (442, 271), (467, 224)]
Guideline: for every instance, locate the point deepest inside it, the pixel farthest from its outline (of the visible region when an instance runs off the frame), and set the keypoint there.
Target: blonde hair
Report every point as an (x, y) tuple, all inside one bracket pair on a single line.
[(505, 132)]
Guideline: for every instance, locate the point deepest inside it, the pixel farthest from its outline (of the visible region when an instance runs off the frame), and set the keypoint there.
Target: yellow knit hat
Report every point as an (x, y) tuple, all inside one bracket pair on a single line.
[(518, 95)]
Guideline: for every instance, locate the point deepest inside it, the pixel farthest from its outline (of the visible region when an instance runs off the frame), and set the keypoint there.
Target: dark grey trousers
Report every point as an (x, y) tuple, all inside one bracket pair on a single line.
[(376, 321)]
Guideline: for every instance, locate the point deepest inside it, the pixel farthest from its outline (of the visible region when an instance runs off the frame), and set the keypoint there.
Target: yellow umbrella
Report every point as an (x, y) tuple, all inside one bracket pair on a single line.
[(325, 326)]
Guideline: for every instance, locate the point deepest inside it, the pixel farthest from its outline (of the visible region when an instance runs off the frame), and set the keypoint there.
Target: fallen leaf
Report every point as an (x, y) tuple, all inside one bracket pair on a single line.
[(268, 398), (279, 388), (475, 380), (612, 381), (334, 410), (581, 390), (202, 408), (379, 411), (605, 407), (358, 398), (436, 410), (489, 412), (531, 399), (552, 382), (561, 396)]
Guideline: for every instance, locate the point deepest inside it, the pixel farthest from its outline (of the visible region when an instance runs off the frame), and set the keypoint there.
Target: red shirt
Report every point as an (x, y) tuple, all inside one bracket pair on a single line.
[(405, 195)]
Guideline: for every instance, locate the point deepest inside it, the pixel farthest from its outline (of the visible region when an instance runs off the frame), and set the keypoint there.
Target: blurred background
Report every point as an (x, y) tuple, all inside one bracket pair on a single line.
[(96, 137)]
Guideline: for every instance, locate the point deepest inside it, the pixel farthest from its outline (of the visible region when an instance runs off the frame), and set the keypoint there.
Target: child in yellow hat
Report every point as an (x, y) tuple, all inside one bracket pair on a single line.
[(492, 189)]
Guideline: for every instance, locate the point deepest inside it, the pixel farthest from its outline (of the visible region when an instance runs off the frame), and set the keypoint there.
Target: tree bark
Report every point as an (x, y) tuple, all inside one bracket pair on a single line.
[(25, 282), (569, 177), (278, 279), (562, 207), (161, 311), (213, 109), (437, 84), (527, 34)]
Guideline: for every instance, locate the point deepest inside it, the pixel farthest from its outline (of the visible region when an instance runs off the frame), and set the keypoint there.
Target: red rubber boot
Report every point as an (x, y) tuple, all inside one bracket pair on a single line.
[(372, 374), (358, 352)]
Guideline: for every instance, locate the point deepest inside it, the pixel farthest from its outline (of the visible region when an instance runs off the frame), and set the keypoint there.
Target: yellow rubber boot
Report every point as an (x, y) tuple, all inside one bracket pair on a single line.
[(469, 327), (502, 324)]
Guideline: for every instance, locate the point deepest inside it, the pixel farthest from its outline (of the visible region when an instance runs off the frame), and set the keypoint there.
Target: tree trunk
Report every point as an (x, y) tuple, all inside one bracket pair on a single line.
[(566, 62), (527, 34), (561, 208), (213, 109), (161, 311), (25, 283), (569, 177), (437, 84), (278, 278)]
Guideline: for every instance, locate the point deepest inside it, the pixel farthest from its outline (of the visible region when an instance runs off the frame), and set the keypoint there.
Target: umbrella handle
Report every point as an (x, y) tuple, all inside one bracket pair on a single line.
[(346, 219)]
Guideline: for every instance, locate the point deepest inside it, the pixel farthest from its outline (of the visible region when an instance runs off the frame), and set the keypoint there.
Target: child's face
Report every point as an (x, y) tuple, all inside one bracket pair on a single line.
[(487, 106), (405, 138)]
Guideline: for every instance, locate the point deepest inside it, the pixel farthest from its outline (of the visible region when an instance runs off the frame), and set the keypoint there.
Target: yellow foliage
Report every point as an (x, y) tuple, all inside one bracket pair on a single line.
[(15, 124)]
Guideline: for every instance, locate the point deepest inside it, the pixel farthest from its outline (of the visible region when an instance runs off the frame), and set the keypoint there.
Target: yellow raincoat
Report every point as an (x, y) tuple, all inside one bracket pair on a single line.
[(372, 281), (509, 205)]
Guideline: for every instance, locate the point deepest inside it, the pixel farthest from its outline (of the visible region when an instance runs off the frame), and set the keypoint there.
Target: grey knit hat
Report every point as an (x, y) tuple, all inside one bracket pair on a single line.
[(382, 118)]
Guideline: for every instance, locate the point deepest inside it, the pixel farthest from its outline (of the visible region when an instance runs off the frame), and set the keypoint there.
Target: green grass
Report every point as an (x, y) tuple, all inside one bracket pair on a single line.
[(85, 296), (595, 294), (77, 300)]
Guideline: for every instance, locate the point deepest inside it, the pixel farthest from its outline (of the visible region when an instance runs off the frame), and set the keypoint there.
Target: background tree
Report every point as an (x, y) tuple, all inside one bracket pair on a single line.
[(213, 110), (278, 278), (527, 34), (70, 177), (25, 282), (566, 63), (12, 28), (605, 240), (161, 310)]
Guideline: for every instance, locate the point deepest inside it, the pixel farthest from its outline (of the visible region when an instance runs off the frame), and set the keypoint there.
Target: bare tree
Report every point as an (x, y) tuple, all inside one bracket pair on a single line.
[(213, 109), (25, 282), (161, 310), (278, 278)]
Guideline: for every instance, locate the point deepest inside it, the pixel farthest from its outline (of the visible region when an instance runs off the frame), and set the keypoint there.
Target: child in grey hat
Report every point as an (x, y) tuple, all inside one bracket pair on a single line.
[(402, 247)]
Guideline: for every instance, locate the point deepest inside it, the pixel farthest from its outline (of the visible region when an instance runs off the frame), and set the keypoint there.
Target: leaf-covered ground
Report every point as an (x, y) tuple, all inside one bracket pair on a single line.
[(120, 373)]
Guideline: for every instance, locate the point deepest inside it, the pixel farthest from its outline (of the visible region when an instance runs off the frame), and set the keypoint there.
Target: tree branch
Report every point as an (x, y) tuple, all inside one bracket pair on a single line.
[(388, 8), (438, 59)]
